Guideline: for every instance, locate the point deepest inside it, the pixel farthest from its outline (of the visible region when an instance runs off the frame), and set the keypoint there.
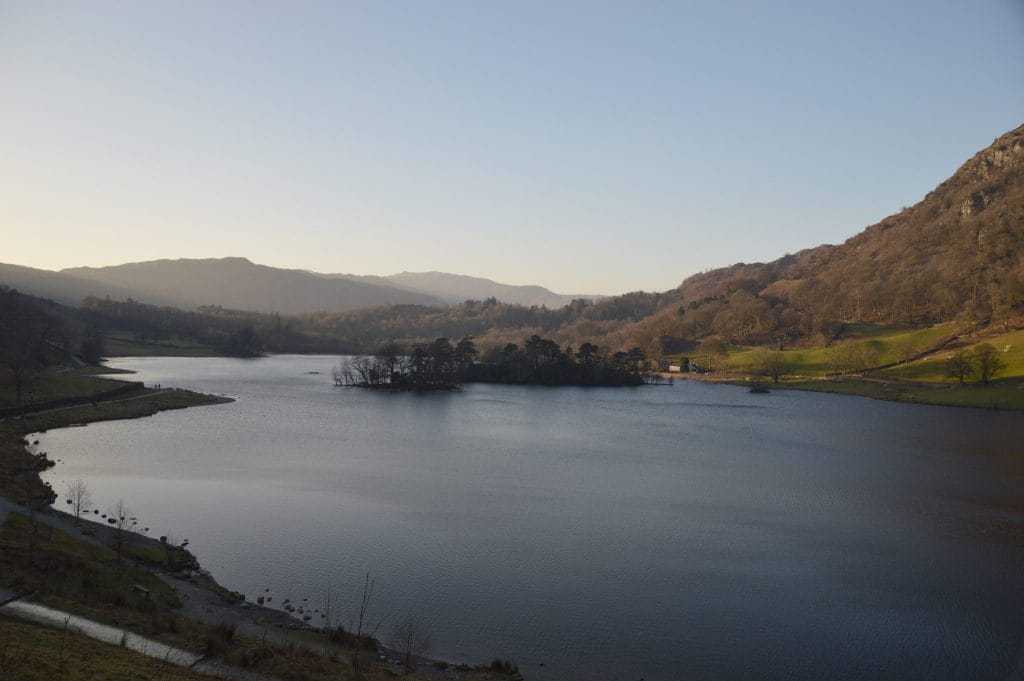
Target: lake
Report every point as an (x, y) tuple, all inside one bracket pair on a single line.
[(692, 531)]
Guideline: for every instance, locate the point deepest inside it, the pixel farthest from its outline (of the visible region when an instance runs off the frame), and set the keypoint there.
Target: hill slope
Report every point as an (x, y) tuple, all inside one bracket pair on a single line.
[(958, 254), (66, 289)]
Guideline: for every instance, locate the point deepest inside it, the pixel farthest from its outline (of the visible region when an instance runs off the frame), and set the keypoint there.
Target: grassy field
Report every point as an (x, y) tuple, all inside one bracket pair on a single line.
[(998, 395), (922, 380), (883, 344), (125, 345), (933, 368), (30, 652), (54, 383), (85, 578), (101, 370)]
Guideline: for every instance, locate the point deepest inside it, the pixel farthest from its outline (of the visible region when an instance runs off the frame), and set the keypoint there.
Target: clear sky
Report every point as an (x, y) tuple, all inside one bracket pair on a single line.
[(585, 146)]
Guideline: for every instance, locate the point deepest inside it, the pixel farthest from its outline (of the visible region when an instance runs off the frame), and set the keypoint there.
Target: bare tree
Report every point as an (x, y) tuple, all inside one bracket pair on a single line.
[(60, 651), (716, 353), (364, 605), (988, 362), (365, 369), (80, 499), (120, 518), (342, 374), (390, 356), (771, 364), (34, 491), (959, 366), (410, 639)]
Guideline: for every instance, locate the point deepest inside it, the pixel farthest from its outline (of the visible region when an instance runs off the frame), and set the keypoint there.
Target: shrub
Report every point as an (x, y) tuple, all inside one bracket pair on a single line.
[(347, 639), (226, 630), (213, 645), (504, 666)]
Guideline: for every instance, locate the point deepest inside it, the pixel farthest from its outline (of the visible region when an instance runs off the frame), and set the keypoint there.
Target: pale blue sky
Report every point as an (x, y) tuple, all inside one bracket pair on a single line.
[(588, 147)]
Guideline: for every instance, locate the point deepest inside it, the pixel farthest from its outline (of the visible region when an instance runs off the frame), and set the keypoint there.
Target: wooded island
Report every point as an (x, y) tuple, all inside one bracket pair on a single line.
[(443, 366)]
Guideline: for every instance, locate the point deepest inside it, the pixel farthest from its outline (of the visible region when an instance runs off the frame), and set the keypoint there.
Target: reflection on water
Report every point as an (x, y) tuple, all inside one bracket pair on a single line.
[(692, 531)]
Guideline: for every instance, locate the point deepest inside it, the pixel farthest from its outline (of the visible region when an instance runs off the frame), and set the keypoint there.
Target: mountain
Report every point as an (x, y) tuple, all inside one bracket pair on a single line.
[(240, 284), (957, 255), (456, 288), (63, 288), (228, 282)]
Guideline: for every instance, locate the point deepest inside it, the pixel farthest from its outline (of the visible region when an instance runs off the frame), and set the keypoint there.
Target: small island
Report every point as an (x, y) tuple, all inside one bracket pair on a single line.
[(440, 365)]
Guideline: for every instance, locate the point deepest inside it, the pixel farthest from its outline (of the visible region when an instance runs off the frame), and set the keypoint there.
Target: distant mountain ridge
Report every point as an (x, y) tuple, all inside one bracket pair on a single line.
[(957, 255), (237, 283), (457, 288), (240, 284), (63, 288)]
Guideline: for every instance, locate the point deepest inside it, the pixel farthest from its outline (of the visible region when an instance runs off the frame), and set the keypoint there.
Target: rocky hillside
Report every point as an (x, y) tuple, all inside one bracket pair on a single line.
[(958, 254)]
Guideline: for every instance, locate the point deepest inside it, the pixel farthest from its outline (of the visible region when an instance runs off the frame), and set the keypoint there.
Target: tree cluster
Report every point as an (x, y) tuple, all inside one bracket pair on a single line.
[(360, 331), (236, 334), (984, 363), (35, 333), (540, 361), (437, 366)]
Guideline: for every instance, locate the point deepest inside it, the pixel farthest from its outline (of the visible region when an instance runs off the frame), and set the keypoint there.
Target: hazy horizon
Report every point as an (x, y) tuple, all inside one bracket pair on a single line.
[(591, 149)]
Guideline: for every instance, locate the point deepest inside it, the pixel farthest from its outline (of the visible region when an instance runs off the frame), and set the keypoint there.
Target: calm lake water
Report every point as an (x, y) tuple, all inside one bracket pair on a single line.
[(679, 532)]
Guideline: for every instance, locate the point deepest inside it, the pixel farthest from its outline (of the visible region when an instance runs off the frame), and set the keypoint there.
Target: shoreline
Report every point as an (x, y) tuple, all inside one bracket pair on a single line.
[(1004, 395), (202, 598), (121, 410)]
